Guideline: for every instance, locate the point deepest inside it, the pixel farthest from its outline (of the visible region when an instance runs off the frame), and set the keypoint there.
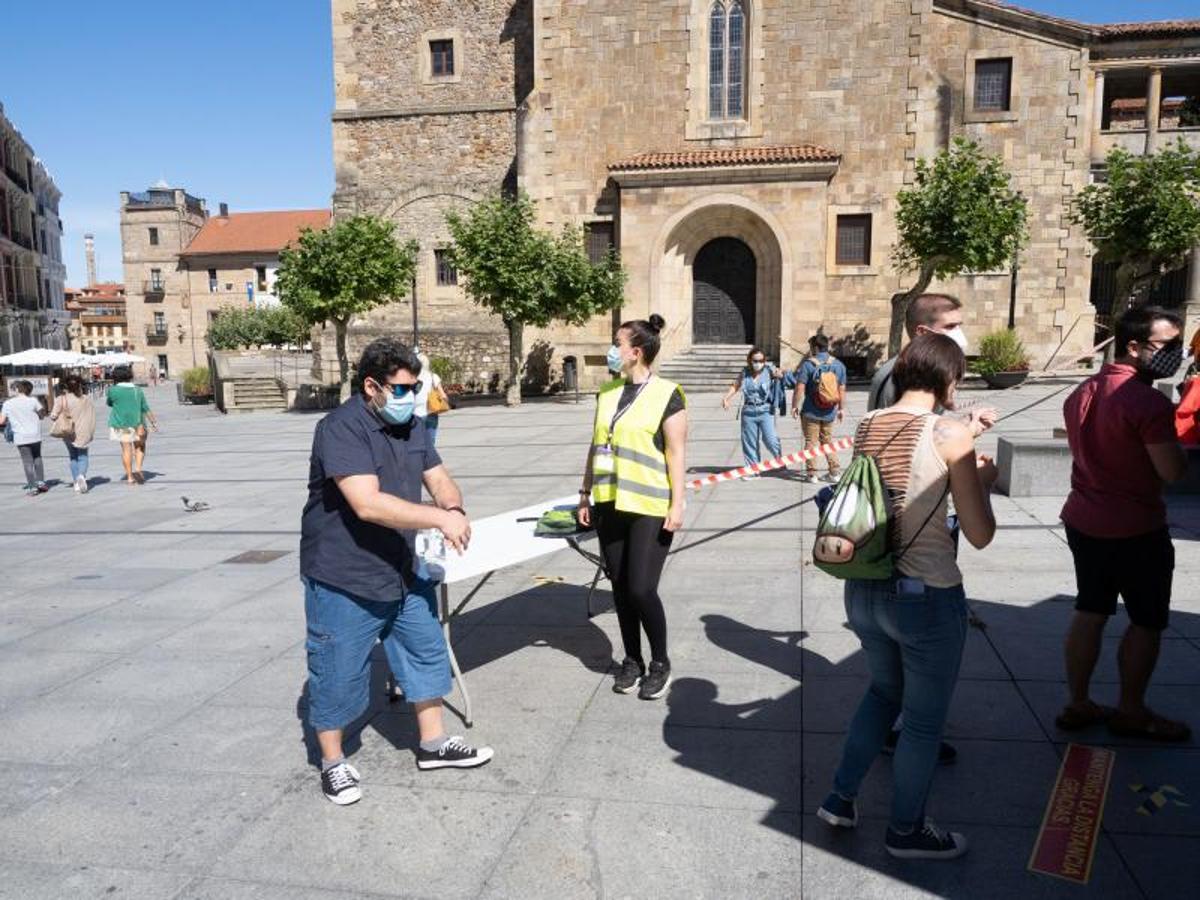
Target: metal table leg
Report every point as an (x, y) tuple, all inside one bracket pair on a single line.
[(444, 594)]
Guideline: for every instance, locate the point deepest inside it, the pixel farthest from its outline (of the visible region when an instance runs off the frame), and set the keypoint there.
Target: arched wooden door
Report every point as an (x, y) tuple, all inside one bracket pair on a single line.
[(723, 290)]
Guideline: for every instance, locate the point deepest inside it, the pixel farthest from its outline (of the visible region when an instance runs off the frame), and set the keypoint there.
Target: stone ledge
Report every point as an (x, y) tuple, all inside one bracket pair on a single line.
[(1032, 467), (429, 109)]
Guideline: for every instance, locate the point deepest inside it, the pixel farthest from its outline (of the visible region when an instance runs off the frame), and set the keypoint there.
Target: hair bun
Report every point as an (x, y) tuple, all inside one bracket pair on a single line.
[(656, 322)]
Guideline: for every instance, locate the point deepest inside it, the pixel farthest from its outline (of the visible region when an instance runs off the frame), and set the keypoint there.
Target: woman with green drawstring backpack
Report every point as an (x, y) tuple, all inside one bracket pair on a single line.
[(884, 533)]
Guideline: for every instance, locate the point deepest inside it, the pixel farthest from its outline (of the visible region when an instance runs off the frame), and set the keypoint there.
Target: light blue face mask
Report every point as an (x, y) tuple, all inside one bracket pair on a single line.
[(398, 410), (614, 359)]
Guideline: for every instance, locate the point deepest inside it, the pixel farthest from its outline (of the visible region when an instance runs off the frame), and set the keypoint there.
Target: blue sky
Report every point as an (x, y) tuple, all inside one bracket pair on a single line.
[(228, 98)]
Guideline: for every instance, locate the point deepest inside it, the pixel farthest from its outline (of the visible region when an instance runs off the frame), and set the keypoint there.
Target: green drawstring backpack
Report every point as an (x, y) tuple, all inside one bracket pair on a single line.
[(853, 538)]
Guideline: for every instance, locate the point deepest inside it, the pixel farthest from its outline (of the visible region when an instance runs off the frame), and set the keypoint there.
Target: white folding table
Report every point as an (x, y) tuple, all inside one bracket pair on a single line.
[(498, 542)]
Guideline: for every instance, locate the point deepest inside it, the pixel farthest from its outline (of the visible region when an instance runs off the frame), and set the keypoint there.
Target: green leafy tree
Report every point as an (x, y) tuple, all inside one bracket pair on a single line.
[(330, 276), (527, 276), (242, 327), (1144, 216), (960, 215)]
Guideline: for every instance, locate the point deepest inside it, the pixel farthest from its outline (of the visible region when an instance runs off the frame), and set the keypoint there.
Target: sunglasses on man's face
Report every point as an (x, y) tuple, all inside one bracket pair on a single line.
[(403, 390)]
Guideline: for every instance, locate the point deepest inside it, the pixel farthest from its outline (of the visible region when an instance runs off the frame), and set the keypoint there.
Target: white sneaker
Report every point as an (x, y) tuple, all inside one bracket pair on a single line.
[(75, 484), (81, 485)]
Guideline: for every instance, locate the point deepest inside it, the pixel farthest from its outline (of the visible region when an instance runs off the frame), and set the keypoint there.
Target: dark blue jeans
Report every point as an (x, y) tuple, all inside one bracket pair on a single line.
[(914, 647)]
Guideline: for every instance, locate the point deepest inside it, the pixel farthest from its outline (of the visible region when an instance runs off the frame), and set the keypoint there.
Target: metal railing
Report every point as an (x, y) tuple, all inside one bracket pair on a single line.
[(153, 288), (156, 334)]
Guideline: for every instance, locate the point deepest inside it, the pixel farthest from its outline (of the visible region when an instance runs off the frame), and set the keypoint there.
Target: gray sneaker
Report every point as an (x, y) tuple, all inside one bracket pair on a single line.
[(628, 677), (656, 681)]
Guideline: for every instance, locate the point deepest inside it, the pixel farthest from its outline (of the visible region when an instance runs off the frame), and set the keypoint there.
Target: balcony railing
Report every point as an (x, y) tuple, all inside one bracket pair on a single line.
[(156, 334), (153, 290)]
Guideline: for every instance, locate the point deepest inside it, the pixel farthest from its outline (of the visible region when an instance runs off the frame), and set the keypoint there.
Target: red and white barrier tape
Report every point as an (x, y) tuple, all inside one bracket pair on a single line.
[(777, 463)]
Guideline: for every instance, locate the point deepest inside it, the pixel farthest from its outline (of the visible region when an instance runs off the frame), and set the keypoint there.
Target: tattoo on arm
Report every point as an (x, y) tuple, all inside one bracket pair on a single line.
[(943, 430)]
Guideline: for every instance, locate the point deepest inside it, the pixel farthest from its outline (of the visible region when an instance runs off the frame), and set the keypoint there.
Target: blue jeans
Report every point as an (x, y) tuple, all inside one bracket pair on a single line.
[(431, 427), (755, 426), (914, 646), (342, 630), (79, 460)]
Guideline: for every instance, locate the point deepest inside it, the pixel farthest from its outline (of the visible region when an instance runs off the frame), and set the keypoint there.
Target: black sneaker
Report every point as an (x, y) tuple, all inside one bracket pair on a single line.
[(629, 676), (926, 842), (946, 752), (656, 681), (838, 811), (340, 784), (454, 754)]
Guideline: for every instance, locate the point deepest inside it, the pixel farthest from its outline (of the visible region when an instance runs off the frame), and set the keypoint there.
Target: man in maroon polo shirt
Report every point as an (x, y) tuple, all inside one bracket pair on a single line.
[(1122, 435)]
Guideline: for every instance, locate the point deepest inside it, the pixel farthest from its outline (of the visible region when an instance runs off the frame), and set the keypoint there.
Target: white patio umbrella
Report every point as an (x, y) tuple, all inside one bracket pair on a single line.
[(41, 356), (114, 359)]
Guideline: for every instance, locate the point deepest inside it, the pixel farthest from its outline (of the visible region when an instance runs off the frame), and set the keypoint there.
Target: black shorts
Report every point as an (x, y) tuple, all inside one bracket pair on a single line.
[(1139, 569)]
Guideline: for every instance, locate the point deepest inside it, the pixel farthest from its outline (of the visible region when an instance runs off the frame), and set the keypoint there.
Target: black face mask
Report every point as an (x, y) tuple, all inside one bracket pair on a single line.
[(1163, 362)]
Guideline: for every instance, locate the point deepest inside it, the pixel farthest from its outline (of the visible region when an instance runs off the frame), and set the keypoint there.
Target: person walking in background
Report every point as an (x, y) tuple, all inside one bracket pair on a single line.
[(819, 401), (1124, 448), (74, 418), (634, 476), (23, 415), (913, 625), (127, 417), (758, 386), (432, 401)]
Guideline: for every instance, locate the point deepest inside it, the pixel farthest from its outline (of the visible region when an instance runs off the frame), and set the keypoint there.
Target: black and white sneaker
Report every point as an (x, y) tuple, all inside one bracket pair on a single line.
[(454, 754), (656, 681), (629, 676), (926, 842), (838, 811), (340, 784)]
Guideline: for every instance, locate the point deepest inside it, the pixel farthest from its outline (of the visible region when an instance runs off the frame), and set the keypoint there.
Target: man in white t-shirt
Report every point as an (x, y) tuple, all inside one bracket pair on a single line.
[(24, 414)]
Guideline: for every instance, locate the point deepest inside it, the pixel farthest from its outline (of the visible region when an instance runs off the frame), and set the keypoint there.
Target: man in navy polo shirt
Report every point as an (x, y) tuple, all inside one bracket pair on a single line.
[(370, 458)]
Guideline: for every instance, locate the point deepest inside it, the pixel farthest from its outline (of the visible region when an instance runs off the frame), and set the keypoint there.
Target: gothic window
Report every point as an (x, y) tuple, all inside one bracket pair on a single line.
[(726, 60)]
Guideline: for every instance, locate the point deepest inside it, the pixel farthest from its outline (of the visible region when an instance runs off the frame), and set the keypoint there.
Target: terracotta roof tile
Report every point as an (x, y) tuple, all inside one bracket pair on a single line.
[(738, 156), (1110, 32), (1166, 28), (255, 232)]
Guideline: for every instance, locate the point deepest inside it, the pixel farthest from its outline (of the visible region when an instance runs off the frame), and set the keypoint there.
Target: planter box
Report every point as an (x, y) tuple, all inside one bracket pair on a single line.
[(1002, 380)]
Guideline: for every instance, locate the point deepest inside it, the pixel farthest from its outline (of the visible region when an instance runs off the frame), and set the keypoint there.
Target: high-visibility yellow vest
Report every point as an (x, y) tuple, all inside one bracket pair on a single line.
[(634, 473)]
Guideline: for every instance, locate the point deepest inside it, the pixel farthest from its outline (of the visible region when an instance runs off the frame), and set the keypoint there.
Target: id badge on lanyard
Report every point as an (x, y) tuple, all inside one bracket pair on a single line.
[(607, 448)]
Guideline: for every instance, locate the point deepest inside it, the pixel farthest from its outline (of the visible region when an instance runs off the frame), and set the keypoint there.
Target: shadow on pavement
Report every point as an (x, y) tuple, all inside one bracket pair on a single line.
[(1001, 792)]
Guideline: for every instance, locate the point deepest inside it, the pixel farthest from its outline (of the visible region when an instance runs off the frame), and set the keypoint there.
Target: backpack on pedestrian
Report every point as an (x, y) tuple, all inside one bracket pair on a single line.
[(828, 391), (853, 537)]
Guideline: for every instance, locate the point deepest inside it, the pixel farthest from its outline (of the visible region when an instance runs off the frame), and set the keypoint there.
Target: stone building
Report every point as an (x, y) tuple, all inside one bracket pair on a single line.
[(32, 274), (98, 318), (743, 156), (184, 265)]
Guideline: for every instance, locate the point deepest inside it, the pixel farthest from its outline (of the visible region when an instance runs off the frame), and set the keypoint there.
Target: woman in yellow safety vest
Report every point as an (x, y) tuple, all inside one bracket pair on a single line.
[(633, 493)]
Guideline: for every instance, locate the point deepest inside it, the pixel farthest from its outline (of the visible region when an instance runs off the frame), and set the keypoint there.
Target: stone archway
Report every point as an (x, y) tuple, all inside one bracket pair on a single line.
[(685, 235)]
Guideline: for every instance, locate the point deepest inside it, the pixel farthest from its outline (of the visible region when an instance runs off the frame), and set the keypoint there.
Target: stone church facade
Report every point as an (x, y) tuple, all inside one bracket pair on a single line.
[(743, 156)]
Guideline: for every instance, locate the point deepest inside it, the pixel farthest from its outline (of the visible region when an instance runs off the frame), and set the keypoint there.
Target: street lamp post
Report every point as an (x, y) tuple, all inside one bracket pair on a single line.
[(416, 331), (1012, 295)]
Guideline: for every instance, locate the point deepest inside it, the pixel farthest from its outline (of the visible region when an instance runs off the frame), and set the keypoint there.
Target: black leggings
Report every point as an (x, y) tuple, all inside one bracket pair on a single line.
[(634, 549)]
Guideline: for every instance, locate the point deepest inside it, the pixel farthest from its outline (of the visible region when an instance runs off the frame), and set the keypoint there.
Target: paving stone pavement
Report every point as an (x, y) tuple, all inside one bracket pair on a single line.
[(151, 695)]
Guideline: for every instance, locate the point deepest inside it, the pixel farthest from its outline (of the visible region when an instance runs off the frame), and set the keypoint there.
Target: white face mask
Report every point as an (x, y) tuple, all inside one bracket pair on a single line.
[(956, 334), (757, 366)]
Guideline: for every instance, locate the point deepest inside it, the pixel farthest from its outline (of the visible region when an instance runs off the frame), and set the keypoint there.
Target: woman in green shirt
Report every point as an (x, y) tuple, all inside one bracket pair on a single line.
[(127, 419)]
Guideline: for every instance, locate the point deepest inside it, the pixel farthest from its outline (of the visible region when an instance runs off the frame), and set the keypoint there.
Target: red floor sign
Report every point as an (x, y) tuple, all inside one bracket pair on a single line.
[(1066, 843)]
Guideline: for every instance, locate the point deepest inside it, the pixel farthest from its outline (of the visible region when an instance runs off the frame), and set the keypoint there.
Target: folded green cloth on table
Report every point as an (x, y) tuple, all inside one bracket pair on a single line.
[(557, 523)]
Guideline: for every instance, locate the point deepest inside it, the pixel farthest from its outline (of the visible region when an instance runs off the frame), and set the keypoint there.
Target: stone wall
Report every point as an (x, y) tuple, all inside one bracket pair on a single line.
[(878, 81)]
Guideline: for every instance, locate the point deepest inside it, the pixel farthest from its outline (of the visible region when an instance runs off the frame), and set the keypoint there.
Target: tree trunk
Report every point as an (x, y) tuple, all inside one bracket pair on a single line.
[(516, 351), (340, 327), (900, 304)]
